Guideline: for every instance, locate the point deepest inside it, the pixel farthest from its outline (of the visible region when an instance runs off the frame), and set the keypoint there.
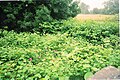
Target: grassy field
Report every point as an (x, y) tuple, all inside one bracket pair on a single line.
[(67, 50), (97, 17)]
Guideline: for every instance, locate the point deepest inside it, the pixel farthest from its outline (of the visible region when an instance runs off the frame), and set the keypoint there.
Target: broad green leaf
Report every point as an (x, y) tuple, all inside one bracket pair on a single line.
[(118, 67), (88, 75), (63, 78)]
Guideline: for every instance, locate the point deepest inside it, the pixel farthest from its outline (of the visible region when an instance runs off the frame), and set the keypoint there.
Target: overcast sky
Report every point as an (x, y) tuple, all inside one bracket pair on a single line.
[(94, 3)]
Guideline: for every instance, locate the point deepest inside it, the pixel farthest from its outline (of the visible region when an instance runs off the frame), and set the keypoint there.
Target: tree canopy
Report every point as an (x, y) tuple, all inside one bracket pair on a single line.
[(110, 7), (84, 8), (24, 15)]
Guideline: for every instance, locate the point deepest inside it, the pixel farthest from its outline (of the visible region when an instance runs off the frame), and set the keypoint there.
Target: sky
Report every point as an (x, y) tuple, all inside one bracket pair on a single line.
[(94, 3)]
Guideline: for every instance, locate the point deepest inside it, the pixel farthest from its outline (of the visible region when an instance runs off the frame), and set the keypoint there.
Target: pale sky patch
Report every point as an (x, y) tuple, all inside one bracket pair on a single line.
[(94, 3)]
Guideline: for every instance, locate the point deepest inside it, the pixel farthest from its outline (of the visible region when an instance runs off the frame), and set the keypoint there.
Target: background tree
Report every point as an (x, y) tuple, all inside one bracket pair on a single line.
[(84, 8), (95, 11), (112, 6)]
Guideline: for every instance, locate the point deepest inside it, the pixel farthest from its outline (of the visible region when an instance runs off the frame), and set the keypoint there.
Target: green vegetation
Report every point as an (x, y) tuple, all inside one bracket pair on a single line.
[(25, 15), (37, 44), (64, 50)]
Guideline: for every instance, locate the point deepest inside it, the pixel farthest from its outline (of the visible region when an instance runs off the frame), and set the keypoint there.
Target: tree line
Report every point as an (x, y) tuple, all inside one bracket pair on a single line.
[(110, 7)]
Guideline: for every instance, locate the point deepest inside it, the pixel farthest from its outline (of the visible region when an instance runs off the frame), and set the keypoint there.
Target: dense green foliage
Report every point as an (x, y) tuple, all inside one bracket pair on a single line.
[(26, 15), (73, 49)]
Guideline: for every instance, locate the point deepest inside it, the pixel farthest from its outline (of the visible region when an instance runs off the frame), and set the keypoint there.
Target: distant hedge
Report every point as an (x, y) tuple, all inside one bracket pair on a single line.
[(26, 15)]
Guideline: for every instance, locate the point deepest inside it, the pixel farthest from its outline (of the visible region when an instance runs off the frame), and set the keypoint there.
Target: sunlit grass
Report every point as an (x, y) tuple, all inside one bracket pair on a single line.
[(96, 17)]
